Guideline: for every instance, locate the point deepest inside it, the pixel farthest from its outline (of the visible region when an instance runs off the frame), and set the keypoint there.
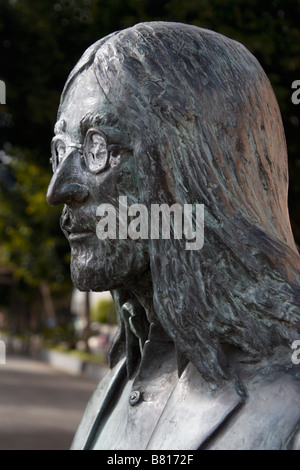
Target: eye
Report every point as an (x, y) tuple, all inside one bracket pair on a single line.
[(58, 151), (95, 151)]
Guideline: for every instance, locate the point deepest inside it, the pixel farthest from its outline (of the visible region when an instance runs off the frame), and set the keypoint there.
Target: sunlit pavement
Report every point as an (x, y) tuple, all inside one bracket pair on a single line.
[(40, 408)]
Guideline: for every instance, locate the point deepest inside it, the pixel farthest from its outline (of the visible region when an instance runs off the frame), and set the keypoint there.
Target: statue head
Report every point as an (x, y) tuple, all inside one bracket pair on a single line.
[(166, 113)]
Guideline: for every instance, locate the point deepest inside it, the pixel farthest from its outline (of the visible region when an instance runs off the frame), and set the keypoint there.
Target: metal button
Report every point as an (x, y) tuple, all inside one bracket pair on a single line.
[(135, 397)]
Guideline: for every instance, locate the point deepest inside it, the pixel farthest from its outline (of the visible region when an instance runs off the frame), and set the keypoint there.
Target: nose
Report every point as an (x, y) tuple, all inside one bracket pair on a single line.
[(67, 184)]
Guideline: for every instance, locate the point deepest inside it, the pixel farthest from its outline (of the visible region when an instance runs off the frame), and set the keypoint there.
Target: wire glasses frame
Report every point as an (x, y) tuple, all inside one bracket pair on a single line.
[(94, 150)]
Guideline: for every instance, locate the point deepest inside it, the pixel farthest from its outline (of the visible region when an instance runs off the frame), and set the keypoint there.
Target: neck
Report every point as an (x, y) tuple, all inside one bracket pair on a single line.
[(143, 292), (134, 304)]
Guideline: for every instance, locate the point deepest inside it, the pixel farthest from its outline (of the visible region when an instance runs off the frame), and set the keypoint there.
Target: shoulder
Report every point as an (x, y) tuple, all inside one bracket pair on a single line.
[(270, 416)]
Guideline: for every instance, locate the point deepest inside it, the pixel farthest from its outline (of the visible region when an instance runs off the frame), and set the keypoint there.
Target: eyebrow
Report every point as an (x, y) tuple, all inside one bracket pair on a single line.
[(97, 119), (108, 123)]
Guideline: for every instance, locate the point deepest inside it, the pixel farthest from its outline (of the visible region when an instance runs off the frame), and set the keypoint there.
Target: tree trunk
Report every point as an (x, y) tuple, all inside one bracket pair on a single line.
[(48, 304), (87, 331)]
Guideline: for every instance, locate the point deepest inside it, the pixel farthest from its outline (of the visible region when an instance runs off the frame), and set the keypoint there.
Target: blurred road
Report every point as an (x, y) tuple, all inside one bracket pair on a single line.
[(40, 408)]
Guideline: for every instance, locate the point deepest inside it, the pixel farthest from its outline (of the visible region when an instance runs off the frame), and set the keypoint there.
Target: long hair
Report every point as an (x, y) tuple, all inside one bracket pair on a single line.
[(206, 129)]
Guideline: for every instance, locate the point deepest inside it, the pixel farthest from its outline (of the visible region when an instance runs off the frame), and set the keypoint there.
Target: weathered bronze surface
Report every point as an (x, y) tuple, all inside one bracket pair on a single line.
[(171, 113)]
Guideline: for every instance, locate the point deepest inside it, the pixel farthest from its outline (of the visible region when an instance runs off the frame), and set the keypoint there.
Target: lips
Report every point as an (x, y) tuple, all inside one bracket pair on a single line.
[(77, 236), (75, 227)]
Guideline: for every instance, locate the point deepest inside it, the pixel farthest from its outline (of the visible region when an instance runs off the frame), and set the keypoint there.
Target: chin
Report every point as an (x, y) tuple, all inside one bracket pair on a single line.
[(106, 268), (87, 277)]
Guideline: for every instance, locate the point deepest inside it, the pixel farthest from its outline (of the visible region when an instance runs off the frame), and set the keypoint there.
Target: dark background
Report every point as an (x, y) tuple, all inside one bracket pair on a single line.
[(40, 42)]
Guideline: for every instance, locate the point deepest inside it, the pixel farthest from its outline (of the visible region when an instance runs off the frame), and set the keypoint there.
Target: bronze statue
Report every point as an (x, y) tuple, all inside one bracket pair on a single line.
[(167, 113)]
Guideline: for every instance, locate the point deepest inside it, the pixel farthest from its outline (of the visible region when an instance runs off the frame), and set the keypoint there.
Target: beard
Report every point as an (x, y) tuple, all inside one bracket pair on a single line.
[(100, 265)]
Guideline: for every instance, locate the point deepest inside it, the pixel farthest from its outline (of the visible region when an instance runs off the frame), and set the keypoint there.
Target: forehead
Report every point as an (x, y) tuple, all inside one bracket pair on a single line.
[(83, 97)]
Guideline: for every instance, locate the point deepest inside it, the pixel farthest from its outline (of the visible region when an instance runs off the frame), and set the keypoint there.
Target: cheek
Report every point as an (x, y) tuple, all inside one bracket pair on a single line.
[(119, 180)]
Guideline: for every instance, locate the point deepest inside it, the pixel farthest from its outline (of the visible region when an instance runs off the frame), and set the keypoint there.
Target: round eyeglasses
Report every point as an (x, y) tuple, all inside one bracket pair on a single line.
[(94, 150)]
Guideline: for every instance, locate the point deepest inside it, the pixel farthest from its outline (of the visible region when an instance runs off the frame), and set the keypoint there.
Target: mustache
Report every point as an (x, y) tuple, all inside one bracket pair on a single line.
[(78, 220)]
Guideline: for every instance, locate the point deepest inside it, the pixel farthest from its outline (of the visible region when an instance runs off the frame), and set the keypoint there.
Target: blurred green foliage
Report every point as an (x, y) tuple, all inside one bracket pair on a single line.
[(40, 42), (30, 245), (60, 335), (104, 311)]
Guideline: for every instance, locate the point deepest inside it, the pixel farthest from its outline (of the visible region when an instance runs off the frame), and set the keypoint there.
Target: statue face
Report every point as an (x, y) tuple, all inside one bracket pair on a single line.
[(92, 167)]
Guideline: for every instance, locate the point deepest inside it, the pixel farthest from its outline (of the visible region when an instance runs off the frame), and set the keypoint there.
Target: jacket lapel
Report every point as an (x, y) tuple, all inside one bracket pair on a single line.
[(100, 400), (193, 413)]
